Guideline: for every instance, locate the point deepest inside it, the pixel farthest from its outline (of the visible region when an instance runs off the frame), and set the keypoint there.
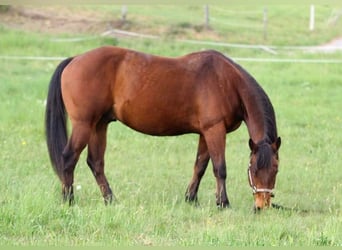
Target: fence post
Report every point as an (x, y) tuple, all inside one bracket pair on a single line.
[(265, 23), (124, 13), (206, 16), (312, 17)]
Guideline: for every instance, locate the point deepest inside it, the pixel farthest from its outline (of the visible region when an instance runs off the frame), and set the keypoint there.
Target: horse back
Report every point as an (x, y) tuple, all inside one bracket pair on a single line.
[(151, 94), (170, 96)]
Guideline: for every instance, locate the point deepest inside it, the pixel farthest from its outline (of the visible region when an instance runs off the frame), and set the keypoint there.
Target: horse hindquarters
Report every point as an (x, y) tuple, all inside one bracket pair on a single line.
[(86, 130)]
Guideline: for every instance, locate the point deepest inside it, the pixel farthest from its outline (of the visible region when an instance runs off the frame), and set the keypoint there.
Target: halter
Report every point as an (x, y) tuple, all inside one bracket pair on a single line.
[(254, 188)]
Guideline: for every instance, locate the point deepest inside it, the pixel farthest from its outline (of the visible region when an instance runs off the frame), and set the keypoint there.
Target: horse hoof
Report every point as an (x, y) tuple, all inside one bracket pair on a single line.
[(223, 205), (108, 199), (69, 199), (191, 198)]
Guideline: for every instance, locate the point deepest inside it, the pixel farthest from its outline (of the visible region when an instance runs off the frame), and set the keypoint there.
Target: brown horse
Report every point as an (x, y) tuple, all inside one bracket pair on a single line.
[(204, 93)]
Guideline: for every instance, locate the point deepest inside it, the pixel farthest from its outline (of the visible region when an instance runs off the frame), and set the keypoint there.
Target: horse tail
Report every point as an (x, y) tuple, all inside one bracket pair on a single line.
[(56, 120)]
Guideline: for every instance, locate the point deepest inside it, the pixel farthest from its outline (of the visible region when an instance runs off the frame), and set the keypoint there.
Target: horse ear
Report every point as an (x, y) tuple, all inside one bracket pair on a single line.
[(276, 144), (252, 145)]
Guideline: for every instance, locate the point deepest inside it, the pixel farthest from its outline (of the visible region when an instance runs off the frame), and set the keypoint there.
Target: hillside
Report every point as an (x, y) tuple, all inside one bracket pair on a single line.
[(284, 25)]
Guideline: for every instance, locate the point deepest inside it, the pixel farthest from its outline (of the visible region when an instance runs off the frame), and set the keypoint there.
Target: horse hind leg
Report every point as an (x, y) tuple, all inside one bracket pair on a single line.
[(95, 160), (71, 153), (201, 164)]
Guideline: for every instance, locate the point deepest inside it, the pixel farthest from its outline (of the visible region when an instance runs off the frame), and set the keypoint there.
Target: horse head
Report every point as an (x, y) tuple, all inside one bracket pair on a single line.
[(262, 171)]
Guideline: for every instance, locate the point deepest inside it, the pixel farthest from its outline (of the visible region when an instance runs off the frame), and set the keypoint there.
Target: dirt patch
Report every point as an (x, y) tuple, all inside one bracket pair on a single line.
[(65, 20), (54, 20)]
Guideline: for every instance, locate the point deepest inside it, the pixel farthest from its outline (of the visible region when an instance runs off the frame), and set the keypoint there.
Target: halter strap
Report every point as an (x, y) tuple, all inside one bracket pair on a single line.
[(254, 188)]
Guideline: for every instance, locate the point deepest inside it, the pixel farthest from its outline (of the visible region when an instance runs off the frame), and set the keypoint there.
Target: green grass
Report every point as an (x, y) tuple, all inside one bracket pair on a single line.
[(149, 175)]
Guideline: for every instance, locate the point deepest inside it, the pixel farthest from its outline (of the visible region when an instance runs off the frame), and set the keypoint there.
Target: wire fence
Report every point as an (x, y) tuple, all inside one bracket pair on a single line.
[(238, 59), (270, 49)]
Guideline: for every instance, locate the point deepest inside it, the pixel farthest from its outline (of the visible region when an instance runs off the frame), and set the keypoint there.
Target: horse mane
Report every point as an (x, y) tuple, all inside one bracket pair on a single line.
[(264, 155), (263, 102), (269, 115), (264, 150)]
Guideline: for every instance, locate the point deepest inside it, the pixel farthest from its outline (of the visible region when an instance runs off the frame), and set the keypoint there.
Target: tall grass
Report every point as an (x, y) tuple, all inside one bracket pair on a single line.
[(149, 175)]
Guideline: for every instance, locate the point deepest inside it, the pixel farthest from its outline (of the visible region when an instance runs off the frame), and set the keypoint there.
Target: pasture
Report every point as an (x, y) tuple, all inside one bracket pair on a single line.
[(149, 175)]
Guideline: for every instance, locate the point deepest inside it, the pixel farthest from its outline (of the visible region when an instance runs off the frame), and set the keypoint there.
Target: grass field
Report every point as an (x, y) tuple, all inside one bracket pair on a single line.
[(149, 175)]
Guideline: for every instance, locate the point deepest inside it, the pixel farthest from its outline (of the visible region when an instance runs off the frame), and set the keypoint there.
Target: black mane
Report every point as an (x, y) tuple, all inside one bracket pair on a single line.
[(264, 103), (264, 151), (264, 155)]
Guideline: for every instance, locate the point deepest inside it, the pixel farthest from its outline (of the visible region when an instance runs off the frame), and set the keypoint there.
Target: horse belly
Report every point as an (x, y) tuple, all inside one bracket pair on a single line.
[(156, 117)]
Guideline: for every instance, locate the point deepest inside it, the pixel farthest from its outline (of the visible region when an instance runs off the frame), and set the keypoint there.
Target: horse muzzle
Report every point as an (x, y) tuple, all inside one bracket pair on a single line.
[(262, 200)]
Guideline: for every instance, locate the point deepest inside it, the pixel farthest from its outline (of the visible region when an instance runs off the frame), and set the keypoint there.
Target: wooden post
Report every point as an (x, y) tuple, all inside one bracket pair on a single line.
[(265, 23), (124, 13), (312, 17), (206, 16)]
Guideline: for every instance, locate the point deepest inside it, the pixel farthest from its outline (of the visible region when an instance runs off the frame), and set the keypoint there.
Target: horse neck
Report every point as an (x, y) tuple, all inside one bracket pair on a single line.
[(258, 111)]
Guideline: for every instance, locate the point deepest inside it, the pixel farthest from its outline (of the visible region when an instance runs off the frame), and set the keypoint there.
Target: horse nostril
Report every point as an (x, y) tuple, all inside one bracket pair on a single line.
[(257, 209)]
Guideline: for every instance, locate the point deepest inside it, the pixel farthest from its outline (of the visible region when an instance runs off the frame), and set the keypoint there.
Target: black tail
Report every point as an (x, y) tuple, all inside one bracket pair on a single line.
[(55, 120)]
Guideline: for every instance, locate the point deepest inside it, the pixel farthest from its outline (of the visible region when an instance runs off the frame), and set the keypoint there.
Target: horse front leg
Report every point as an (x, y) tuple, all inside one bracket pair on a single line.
[(215, 138), (201, 164)]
